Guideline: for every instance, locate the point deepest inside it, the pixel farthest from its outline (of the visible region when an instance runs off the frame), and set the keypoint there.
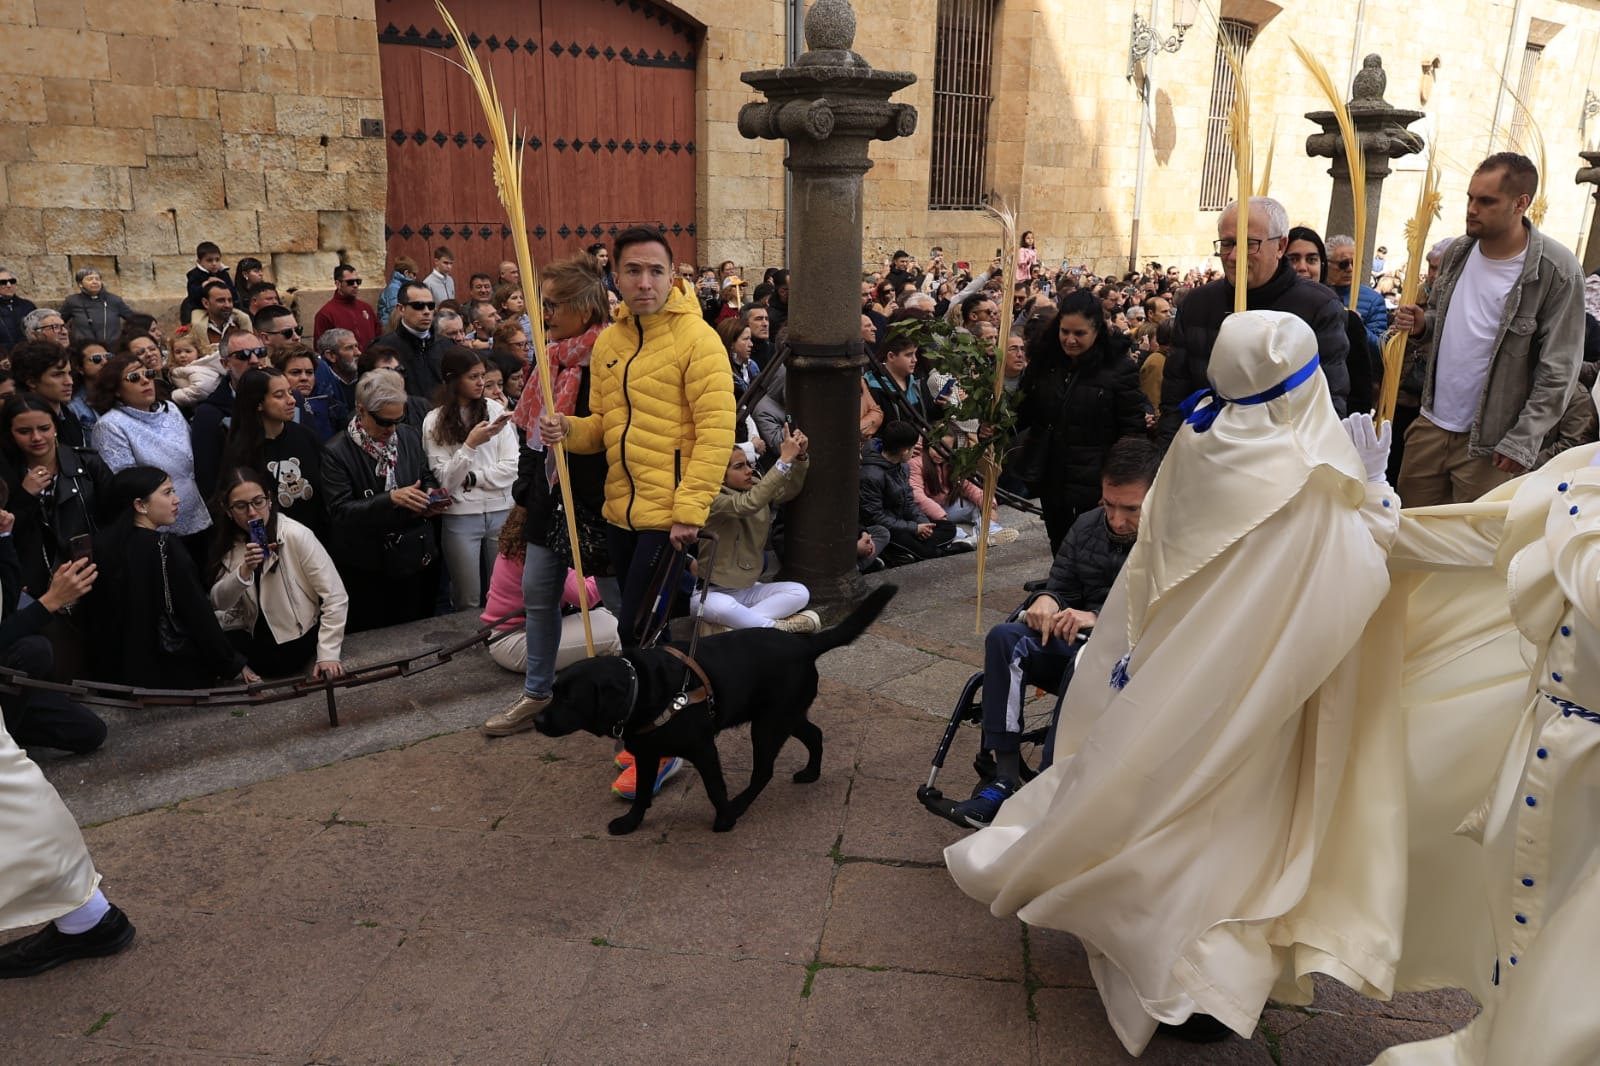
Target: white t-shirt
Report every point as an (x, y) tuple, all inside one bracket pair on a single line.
[(1466, 343)]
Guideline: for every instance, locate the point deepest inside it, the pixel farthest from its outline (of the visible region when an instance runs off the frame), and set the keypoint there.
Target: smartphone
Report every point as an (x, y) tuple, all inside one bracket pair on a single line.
[(949, 386), (81, 547), (258, 532), (438, 497)]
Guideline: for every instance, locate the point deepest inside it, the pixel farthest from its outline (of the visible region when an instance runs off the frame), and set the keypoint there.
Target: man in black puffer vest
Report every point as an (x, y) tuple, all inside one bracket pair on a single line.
[(1273, 286)]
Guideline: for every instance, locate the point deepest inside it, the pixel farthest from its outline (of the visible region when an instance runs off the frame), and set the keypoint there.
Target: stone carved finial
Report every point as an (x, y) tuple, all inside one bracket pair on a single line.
[(830, 26), (1369, 85)]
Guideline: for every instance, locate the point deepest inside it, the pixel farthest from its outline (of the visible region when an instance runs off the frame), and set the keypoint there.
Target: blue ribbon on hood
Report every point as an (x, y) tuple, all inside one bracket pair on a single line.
[(1202, 417)]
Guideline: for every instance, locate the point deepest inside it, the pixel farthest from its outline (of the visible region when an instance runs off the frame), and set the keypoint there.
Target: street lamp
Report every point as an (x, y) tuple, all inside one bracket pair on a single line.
[(1144, 40)]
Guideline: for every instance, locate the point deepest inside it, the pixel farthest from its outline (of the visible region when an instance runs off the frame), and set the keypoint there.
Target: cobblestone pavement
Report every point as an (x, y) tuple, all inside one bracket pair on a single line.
[(365, 895)]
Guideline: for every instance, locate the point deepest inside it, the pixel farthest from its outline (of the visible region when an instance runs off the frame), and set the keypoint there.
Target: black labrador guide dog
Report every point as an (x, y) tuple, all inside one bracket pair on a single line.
[(662, 704)]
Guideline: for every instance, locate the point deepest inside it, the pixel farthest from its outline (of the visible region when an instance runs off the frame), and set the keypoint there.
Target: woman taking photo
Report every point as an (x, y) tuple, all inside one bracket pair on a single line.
[(380, 496), (136, 428), (1080, 395), (575, 310), (473, 454), (264, 436), (151, 623), (56, 491), (273, 585)]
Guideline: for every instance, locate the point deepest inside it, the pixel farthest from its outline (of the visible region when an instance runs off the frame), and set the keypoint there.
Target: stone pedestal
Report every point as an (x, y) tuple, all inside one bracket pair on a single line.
[(1589, 174), (829, 107), (1381, 129)]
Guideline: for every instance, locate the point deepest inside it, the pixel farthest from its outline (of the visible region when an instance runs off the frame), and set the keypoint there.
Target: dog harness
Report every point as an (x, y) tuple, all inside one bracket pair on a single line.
[(687, 697)]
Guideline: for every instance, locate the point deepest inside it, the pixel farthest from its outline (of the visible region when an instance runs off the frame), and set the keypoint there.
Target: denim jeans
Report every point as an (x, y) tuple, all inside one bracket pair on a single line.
[(470, 542), (543, 577)]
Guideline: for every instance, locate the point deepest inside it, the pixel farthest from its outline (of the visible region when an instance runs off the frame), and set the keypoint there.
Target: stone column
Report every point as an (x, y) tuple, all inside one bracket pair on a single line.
[(1382, 132), (829, 107), (1589, 174)]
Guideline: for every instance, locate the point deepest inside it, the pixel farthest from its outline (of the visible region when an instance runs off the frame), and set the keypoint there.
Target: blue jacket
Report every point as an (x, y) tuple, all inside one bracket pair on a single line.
[(388, 298), (337, 398), (1372, 309)]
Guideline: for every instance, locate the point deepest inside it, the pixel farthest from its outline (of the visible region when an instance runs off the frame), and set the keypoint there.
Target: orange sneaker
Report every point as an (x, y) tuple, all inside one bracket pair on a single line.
[(626, 785), (623, 759)]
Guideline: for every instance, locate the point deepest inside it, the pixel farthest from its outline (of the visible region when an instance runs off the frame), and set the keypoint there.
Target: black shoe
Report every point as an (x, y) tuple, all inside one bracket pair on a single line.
[(1198, 1029), (50, 947), (980, 810)]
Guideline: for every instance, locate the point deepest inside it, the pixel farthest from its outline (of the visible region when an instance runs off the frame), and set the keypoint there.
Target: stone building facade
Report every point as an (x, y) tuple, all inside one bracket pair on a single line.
[(131, 129)]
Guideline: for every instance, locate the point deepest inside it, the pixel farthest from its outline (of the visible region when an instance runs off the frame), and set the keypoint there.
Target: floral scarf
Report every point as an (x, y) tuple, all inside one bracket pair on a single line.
[(567, 360), (386, 455)]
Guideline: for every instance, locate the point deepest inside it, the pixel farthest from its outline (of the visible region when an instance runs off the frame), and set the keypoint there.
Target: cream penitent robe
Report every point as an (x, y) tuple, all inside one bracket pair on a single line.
[(45, 870), (1232, 820), (1517, 920)]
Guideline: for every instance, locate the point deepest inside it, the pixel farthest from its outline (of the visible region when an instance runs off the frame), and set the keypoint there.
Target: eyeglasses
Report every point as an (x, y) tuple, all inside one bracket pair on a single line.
[(54, 327), (286, 333), (420, 305), (133, 377), (8, 281), (96, 358), (549, 308), (1342, 264), (350, 281), (386, 423), (248, 354), (255, 503), (1228, 244)]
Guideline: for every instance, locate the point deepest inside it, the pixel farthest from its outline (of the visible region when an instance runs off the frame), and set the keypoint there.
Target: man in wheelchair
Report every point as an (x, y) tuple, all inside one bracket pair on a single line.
[(1039, 650)]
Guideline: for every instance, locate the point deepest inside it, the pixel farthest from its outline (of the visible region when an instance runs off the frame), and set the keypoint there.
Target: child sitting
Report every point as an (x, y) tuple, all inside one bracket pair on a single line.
[(887, 500), (741, 517)]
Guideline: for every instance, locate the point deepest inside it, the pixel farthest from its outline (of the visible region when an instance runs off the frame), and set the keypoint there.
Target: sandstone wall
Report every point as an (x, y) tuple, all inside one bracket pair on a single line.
[(131, 130)]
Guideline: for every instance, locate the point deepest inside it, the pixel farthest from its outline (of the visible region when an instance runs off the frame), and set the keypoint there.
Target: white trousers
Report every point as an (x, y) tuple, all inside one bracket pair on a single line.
[(756, 607), (511, 650)]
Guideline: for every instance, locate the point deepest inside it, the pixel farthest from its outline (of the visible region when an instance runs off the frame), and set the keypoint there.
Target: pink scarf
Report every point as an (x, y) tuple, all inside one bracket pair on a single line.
[(567, 358)]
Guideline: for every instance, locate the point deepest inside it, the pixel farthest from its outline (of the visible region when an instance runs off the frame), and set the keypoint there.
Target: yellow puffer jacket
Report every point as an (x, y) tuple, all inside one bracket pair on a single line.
[(661, 403)]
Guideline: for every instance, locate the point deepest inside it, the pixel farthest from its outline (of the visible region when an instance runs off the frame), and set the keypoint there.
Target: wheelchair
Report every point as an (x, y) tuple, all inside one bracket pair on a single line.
[(1040, 705)]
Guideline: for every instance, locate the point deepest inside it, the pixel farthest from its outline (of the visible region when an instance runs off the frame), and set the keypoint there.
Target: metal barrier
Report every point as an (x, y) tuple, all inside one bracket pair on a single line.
[(259, 693)]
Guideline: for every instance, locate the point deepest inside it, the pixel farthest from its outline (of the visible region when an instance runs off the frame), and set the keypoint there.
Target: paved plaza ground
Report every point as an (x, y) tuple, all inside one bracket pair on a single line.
[(403, 890)]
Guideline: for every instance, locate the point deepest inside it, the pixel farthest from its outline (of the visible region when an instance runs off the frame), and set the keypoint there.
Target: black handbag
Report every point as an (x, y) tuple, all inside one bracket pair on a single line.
[(592, 543), (171, 637), (409, 551)]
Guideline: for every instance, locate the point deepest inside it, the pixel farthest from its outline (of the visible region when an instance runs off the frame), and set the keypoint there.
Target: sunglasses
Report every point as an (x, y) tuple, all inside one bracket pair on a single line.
[(133, 377), (97, 358), (286, 333), (386, 423), (248, 354), (350, 281), (8, 281), (420, 305), (1342, 264)]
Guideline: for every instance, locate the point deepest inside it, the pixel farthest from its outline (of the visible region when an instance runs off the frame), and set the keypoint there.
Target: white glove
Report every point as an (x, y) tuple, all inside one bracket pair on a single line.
[(1372, 444)]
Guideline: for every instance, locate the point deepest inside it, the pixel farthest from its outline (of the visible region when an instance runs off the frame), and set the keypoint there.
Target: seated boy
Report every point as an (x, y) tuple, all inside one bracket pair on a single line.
[(741, 518), (887, 501), (1040, 649)]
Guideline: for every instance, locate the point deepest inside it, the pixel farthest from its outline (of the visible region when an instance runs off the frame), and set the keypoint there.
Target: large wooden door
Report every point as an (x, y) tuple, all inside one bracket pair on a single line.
[(603, 93)]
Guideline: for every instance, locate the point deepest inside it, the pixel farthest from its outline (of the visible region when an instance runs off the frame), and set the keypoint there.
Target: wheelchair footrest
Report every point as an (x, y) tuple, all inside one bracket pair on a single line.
[(936, 803)]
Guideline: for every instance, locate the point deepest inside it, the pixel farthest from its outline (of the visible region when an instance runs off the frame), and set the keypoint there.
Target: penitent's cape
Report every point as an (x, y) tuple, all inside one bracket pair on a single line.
[(45, 870), (1232, 818)]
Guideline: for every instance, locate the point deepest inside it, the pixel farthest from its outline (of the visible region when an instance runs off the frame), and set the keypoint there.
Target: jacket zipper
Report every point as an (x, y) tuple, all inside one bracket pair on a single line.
[(622, 451)]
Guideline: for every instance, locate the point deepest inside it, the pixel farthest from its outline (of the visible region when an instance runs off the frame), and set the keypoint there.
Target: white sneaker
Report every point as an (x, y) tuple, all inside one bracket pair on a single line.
[(804, 622), (1002, 536)]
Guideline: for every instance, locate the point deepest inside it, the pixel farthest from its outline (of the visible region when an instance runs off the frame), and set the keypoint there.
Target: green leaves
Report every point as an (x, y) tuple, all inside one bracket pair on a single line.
[(976, 397)]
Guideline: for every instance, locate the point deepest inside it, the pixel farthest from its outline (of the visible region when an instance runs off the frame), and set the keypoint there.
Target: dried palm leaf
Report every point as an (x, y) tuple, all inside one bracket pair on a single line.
[(1354, 159), (1264, 183), (1243, 164), (507, 156), (1541, 202), (1429, 201)]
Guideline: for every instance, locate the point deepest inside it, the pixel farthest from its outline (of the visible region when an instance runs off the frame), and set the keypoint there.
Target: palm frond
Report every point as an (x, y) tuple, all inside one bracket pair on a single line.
[(1429, 202), (1010, 242), (1354, 159), (1541, 202), (507, 173), (1243, 164)]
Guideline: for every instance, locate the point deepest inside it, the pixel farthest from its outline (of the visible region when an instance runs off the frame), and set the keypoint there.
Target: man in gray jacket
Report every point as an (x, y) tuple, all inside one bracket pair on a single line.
[(1505, 330)]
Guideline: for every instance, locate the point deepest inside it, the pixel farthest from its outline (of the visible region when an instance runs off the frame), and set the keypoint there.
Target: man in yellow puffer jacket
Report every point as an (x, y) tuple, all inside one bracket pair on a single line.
[(662, 407)]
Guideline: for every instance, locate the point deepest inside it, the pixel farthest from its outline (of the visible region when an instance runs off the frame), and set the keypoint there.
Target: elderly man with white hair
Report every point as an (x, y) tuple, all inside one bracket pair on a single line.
[(1218, 822), (1273, 286), (46, 324)]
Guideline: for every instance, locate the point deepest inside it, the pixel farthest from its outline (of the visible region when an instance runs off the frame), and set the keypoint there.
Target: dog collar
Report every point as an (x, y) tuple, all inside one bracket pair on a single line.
[(633, 697)]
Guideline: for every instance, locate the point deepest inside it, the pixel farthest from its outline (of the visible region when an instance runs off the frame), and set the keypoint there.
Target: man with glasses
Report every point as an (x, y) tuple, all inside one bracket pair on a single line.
[(46, 324), (13, 309), (217, 318), (1273, 286), (347, 310), (1369, 304), (278, 327), (413, 339), (241, 352)]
